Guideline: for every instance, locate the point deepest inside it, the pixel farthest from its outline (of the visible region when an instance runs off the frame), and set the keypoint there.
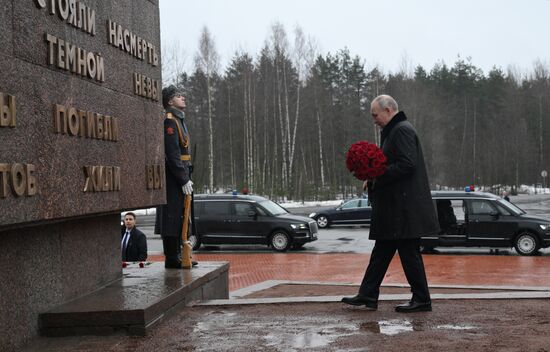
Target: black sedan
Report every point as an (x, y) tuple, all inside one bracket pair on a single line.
[(353, 212), (476, 219)]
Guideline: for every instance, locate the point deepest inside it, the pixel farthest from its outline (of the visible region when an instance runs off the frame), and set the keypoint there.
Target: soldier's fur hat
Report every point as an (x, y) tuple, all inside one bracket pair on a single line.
[(168, 93)]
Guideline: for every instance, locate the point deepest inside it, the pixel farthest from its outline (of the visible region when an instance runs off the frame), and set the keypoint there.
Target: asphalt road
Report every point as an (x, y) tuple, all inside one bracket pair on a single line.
[(351, 239)]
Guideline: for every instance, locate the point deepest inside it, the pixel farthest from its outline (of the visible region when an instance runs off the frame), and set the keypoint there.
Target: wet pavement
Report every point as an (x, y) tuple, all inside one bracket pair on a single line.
[(473, 325), (507, 318), (323, 324)]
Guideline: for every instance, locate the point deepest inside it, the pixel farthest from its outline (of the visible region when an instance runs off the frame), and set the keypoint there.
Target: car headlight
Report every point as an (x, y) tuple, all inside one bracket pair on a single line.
[(299, 226), (312, 215), (545, 227)]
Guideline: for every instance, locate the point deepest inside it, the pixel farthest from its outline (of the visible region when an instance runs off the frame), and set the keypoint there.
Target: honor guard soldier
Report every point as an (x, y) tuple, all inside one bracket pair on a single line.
[(171, 217)]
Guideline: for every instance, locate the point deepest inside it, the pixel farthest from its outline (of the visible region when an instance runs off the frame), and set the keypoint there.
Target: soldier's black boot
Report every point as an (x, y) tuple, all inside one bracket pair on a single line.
[(172, 252)]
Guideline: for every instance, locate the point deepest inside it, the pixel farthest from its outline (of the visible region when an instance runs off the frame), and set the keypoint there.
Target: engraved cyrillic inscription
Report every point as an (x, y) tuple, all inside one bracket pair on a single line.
[(102, 179), (20, 178), (8, 117)]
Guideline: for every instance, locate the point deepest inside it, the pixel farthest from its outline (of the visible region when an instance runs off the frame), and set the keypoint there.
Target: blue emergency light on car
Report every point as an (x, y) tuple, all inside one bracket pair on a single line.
[(469, 189)]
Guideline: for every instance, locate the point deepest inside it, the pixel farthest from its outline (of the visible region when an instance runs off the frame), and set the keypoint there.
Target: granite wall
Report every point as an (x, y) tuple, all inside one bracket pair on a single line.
[(80, 141), (94, 160), (44, 266)]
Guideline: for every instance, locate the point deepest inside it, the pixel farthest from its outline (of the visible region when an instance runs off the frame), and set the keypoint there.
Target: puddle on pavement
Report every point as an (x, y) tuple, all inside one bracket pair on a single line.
[(396, 326), (308, 339), (455, 327), (213, 320), (391, 327)]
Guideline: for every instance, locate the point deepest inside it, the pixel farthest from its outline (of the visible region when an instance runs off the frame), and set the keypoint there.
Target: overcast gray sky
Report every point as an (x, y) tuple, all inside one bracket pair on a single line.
[(491, 32)]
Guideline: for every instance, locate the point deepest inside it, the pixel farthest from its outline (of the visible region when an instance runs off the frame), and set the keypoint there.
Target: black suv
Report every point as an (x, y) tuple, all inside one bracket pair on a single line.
[(248, 219), (476, 219)]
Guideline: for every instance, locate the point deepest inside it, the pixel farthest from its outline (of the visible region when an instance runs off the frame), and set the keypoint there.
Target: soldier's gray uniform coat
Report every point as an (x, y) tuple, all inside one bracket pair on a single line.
[(177, 171)]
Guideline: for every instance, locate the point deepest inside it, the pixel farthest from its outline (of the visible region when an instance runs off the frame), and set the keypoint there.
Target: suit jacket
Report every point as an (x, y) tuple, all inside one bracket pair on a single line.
[(136, 249), (402, 205)]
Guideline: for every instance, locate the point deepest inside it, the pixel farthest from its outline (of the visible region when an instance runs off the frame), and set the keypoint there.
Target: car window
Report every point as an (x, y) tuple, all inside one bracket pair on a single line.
[(351, 204), (515, 209), (217, 208), (458, 208), (260, 210), (242, 208), (273, 208), (502, 210), (481, 207), (364, 203)]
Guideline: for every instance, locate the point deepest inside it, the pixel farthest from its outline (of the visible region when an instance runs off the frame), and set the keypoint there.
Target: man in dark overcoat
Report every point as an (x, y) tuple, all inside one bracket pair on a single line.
[(169, 219), (402, 210), (133, 242)]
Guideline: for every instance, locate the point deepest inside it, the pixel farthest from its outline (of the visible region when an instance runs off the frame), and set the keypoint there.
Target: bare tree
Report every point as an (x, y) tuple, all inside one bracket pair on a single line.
[(174, 58), (280, 50), (207, 61)]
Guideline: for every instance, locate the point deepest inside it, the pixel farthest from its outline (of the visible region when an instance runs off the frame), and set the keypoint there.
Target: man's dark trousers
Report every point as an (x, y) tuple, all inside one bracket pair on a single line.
[(411, 260)]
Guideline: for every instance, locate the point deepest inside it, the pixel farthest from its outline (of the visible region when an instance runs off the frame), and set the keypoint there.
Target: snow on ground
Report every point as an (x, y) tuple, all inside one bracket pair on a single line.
[(523, 189)]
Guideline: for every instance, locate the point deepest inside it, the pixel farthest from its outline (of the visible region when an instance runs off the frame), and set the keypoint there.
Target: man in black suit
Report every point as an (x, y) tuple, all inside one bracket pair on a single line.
[(402, 210), (133, 241)]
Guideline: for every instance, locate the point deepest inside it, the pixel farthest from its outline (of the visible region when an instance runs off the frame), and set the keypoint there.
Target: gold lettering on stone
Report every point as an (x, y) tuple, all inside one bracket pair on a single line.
[(31, 180), (19, 178), (76, 60), (146, 87), (127, 41), (88, 172), (153, 176), (158, 176), (150, 176), (63, 7), (101, 179), (74, 122), (4, 179), (86, 124), (74, 12), (8, 111)]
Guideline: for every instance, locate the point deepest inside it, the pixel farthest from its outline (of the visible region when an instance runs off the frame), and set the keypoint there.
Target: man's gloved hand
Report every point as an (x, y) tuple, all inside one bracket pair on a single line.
[(188, 187)]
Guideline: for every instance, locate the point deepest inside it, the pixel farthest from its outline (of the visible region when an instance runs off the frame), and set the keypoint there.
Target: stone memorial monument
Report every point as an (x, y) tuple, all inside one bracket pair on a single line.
[(80, 140)]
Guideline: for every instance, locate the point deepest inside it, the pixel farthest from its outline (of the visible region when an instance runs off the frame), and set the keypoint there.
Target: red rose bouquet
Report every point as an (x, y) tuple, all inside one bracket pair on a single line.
[(365, 160)]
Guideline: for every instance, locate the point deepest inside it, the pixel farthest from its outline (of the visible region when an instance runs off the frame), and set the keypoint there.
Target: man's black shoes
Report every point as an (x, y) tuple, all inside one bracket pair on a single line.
[(172, 264), (176, 264), (360, 300), (413, 306)]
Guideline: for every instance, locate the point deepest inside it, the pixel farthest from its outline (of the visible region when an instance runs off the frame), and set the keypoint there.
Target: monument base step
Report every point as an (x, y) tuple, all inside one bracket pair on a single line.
[(142, 298)]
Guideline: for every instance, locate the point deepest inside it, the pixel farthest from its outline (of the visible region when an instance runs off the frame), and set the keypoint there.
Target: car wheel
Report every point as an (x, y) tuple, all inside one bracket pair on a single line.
[(280, 241), (195, 241), (526, 243), (322, 221)]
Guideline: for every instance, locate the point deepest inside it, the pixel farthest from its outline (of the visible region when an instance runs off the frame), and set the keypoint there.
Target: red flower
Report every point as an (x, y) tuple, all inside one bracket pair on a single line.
[(141, 265), (124, 264), (365, 160)]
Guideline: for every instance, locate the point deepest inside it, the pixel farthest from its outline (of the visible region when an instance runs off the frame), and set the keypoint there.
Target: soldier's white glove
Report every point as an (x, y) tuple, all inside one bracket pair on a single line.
[(188, 187)]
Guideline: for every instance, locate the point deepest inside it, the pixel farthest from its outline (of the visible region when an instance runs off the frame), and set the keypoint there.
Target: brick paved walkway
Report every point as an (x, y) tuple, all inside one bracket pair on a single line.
[(251, 268)]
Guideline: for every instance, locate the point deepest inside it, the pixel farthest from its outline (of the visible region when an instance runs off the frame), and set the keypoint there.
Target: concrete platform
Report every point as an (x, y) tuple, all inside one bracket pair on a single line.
[(138, 301)]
